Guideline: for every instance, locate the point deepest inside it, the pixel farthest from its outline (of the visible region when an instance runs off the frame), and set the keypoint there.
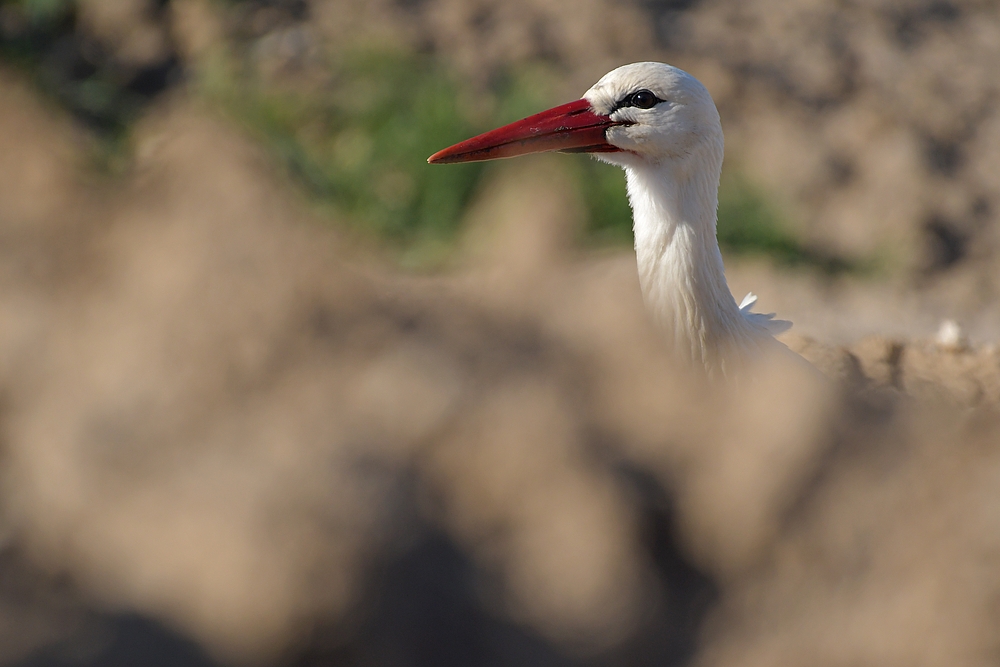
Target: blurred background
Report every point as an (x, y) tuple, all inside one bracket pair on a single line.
[(273, 391)]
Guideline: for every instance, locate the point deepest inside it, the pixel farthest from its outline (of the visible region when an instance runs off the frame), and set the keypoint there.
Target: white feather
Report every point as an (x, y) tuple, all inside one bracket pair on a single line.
[(765, 320)]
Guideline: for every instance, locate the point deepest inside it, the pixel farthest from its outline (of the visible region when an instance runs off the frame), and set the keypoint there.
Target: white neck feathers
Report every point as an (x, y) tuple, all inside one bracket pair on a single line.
[(680, 267)]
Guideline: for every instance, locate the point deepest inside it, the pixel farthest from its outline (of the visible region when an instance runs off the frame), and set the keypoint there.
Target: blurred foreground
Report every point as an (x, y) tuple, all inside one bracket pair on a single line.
[(234, 431), (224, 443)]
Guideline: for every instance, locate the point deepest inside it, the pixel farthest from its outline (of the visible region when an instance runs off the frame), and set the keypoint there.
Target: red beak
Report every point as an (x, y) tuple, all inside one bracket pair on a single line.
[(570, 128)]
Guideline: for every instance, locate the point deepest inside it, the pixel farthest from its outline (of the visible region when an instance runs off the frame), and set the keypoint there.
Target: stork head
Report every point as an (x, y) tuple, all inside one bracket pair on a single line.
[(640, 113), (660, 113)]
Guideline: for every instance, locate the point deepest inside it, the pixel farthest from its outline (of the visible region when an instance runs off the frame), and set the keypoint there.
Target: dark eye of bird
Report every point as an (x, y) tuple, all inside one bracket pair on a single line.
[(643, 99)]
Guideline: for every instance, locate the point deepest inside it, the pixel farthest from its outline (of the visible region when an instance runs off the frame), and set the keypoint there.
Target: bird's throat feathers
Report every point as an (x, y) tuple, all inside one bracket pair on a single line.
[(680, 267)]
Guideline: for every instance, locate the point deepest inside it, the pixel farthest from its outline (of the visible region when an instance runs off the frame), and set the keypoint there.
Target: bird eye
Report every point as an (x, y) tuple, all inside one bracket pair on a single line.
[(644, 99)]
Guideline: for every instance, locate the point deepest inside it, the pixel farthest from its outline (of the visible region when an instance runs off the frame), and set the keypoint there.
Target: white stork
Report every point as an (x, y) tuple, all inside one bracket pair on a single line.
[(660, 124)]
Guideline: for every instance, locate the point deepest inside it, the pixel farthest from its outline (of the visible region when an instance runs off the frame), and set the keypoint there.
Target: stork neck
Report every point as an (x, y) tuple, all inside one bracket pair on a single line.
[(680, 267)]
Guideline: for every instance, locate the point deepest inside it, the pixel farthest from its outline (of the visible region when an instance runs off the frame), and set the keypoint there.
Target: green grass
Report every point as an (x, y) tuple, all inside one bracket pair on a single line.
[(360, 146), (602, 186), (750, 224)]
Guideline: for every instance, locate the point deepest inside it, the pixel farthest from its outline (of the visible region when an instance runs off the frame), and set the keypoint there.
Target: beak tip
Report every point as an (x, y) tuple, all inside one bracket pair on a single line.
[(444, 157)]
